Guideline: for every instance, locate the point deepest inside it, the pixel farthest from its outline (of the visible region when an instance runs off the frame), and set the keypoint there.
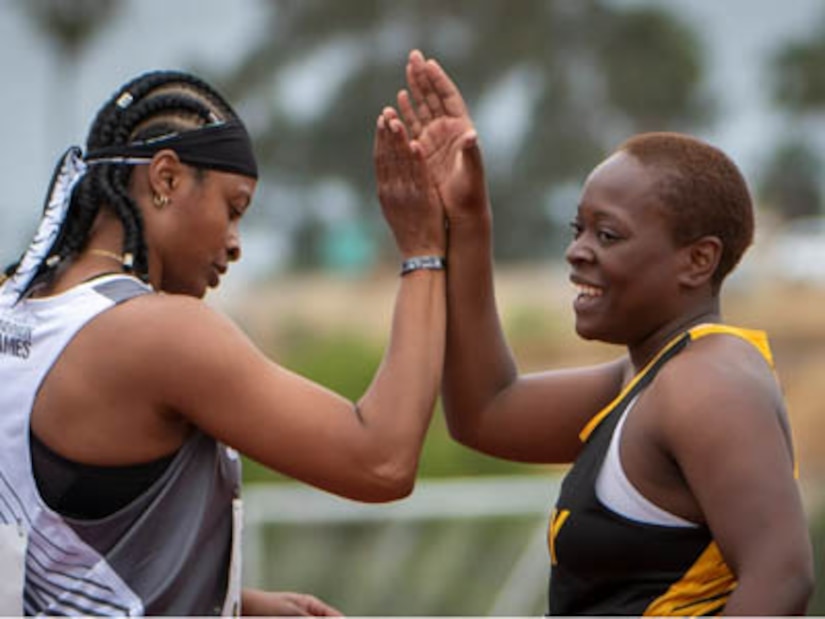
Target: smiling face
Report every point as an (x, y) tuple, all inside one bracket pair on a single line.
[(623, 257), (199, 235)]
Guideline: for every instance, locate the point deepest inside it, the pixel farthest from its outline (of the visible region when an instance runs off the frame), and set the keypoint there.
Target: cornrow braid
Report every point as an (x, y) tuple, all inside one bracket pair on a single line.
[(149, 106), (80, 221)]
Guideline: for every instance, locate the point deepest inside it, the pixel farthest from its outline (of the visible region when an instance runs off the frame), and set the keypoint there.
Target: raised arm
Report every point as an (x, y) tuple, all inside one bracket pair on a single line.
[(487, 405), (200, 368)]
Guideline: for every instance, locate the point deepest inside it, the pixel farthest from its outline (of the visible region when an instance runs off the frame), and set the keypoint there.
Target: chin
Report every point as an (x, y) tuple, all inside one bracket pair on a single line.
[(584, 330), (596, 333)]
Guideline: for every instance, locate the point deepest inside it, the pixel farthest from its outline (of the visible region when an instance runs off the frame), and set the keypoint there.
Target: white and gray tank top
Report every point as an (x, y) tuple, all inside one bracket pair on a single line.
[(173, 550)]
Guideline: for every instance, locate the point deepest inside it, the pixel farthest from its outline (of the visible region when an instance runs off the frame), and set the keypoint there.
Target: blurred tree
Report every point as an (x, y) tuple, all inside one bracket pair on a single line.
[(553, 85), (70, 25), (790, 184), (797, 76)]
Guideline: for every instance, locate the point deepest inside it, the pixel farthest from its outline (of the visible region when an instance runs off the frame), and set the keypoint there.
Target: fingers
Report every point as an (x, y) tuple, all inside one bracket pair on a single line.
[(391, 143), (445, 89), (427, 97), (408, 113), (434, 91), (472, 160), (416, 74), (317, 608), (306, 605), (398, 161)]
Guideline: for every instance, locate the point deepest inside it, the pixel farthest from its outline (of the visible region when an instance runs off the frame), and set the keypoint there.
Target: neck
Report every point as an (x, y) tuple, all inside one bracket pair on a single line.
[(102, 255), (643, 351)]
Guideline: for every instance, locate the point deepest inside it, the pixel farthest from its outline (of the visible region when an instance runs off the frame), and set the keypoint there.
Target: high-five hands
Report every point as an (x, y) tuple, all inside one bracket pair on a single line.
[(409, 199), (440, 126)]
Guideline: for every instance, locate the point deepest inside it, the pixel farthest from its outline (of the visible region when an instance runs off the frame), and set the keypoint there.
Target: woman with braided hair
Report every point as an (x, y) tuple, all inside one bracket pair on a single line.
[(126, 399)]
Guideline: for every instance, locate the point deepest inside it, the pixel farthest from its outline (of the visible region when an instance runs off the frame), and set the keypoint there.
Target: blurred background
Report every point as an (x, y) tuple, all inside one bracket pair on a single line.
[(553, 86)]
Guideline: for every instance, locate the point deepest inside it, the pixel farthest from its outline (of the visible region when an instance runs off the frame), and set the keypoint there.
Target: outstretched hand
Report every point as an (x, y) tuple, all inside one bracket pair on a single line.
[(440, 125), (409, 198), (285, 604)]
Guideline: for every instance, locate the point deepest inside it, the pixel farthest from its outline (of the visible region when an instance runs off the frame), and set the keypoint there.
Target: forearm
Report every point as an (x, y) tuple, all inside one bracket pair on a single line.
[(397, 407), (478, 361)]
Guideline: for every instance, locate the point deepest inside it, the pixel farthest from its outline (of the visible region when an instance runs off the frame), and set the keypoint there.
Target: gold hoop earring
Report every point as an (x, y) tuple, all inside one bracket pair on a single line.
[(160, 200)]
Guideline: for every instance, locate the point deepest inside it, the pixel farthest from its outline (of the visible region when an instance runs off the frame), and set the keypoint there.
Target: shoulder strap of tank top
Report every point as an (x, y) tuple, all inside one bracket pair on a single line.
[(639, 382), (121, 289), (757, 338)]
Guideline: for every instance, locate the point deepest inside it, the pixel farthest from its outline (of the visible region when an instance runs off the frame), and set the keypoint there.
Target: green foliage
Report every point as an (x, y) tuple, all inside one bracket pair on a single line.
[(651, 66), (346, 362), (444, 457), (796, 72), (790, 184), (343, 362)]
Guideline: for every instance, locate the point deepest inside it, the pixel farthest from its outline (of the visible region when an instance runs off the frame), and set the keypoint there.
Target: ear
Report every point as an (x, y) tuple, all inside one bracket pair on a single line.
[(701, 257), (165, 172)]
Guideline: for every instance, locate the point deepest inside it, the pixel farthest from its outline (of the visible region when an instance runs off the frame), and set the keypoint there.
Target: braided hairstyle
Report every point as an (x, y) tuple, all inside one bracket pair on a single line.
[(151, 105)]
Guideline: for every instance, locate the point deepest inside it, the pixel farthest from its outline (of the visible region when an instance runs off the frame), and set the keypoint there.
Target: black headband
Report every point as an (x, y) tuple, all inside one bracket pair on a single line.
[(223, 146)]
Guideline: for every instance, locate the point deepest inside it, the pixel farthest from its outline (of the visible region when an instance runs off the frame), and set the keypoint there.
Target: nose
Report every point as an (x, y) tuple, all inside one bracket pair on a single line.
[(233, 243), (578, 251)]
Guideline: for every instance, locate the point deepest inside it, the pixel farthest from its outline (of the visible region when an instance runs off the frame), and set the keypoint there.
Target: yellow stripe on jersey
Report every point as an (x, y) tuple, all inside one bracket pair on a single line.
[(703, 590), (759, 339), (597, 419), (556, 522)]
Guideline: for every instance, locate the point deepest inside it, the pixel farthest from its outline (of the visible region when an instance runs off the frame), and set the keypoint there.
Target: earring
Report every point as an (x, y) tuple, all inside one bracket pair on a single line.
[(160, 200)]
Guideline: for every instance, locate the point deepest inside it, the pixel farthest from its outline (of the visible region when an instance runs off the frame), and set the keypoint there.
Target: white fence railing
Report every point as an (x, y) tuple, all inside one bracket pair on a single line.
[(458, 503)]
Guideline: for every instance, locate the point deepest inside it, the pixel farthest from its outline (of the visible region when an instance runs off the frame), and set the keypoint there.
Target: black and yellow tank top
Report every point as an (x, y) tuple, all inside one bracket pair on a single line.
[(603, 563)]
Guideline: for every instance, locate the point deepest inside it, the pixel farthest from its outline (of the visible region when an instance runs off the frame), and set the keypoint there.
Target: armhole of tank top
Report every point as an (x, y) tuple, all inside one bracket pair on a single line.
[(616, 492)]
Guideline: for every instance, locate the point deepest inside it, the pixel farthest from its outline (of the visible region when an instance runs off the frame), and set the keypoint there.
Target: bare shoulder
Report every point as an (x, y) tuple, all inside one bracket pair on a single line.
[(719, 383), (157, 332), (165, 320), (721, 363)]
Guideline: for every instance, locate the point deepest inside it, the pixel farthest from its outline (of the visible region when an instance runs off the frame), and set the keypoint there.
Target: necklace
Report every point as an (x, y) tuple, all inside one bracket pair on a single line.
[(126, 260), (107, 254)]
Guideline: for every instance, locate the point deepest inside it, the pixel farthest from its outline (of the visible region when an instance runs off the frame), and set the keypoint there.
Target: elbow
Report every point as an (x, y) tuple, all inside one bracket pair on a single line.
[(467, 419), (466, 434), (395, 477), (387, 479), (461, 435)]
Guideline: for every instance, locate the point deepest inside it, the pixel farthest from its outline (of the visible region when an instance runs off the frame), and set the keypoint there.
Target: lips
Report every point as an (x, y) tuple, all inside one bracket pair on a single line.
[(588, 295), (586, 290)]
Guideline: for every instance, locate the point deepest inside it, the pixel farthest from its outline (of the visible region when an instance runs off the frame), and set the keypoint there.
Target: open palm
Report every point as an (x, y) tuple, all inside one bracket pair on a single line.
[(437, 117)]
